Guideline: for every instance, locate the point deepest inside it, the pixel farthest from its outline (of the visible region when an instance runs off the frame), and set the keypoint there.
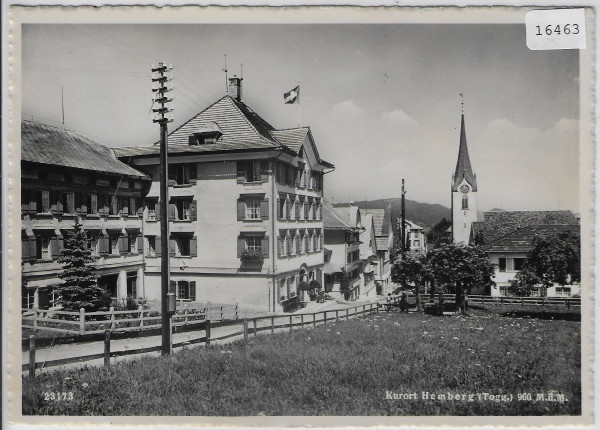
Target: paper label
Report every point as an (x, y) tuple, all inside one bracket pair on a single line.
[(555, 29)]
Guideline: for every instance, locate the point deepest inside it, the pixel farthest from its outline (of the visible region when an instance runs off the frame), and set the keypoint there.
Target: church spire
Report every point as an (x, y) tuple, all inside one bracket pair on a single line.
[(463, 164)]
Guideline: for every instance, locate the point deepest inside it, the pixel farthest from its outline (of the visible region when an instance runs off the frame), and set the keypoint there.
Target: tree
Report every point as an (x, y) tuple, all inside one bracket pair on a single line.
[(411, 272), (79, 288), (459, 268), (439, 234), (553, 259)]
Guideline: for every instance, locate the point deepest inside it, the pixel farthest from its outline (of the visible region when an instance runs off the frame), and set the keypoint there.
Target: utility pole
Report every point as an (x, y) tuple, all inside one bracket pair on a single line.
[(403, 226), (167, 297)]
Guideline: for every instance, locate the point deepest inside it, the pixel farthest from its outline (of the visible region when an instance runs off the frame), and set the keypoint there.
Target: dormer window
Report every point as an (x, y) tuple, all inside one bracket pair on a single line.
[(209, 134)]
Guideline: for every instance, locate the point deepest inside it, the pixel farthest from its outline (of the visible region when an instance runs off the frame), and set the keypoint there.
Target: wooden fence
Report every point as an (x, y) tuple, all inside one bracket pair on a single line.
[(81, 323), (245, 328)]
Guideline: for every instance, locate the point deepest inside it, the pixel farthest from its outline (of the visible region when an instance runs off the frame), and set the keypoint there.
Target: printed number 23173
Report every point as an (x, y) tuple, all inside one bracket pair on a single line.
[(58, 396)]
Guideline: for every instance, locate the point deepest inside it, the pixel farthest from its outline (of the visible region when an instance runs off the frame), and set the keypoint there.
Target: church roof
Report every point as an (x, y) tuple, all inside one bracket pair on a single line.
[(463, 164), (521, 239), (378, 219), (499, 224)]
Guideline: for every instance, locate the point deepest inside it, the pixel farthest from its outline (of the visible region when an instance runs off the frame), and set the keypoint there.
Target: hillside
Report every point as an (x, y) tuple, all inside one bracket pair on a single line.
[(424, 214)]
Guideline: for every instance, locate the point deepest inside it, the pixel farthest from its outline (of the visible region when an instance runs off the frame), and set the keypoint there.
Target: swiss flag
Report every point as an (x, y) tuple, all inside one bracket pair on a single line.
[(293, 96)]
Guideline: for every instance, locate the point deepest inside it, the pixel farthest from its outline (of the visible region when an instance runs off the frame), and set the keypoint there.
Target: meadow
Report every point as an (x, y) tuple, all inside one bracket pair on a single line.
[(496, 364)]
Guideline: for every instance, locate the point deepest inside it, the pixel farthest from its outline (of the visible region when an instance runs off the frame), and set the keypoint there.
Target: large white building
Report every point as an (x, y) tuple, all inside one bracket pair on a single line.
[(245, 207)]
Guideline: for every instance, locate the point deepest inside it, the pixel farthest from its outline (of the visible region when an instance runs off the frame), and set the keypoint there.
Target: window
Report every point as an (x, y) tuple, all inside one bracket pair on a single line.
[(282, 208), (306, 209), (563, 291), (153, 209), (253, 243), (306, 243), (297, 204), (253, 208), (289, 243), (183, 245), (132, 285), (43, 247), (132, 242), (151, 250), (281, 244), (416, 243), (502, 264), (519, 263), (183, 290), (113, 243), (43, 201), (182, 174), (92, 204), (68, 203), (183, 212), (297, 245), (504, 291), (252, 171), (28, 298), (465, 201), (133, 206), (92, 242)]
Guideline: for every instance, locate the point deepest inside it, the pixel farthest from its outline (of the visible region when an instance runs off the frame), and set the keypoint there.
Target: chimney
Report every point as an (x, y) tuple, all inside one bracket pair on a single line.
[(235, 88)]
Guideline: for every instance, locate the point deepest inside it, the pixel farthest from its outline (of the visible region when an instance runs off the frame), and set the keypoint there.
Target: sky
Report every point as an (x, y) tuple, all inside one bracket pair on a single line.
[(382, 100)]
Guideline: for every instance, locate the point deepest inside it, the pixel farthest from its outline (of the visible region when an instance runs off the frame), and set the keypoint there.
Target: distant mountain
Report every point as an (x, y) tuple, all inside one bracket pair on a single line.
[(425, 214)]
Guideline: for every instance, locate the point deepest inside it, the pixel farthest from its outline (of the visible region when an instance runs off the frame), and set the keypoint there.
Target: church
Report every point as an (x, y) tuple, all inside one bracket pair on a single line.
[(506, 236)]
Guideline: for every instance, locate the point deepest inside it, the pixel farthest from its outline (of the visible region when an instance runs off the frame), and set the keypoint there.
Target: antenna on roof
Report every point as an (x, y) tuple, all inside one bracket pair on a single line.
[(241, 70), (62, 105), (226, 80)]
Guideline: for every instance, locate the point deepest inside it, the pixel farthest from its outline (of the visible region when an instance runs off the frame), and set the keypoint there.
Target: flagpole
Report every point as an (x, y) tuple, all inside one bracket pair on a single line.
[(299, 116)]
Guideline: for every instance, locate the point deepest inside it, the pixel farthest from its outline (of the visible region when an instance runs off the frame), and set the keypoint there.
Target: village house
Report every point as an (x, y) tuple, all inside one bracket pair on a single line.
[(245, 207), (416, 241), (343, 226), (65, 175), (368, 257), (506, 236), (384, 242)]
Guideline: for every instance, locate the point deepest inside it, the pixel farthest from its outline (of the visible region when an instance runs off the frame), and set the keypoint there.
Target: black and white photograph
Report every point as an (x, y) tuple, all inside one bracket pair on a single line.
[(240, 214)]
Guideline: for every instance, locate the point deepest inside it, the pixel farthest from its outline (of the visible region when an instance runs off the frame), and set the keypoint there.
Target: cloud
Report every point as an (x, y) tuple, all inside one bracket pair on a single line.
[(347, 108), (398, 118)]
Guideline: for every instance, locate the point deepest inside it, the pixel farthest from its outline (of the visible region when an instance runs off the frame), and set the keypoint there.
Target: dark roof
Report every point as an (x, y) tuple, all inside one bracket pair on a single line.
[(500, 224), (241, 128), (378, 219), (521, 239), (45, 144), (331, 220), (463, 164)]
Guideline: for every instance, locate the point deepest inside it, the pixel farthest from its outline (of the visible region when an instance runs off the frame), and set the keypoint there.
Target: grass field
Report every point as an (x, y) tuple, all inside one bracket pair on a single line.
[(344, 368)]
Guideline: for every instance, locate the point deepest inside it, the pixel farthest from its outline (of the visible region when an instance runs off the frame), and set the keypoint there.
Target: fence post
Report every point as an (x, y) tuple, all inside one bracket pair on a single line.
[(347, 314), (81, 321), (254, 321), (32, 356), (364, 314), (236, 311), (35, 319), (337, 315), (301, 320), (207, 330), (272, 325), (245, 331), (185, 315), (568, 301), (208, 311), (222, 314), (377, 309), (107, 349), (324, 317), (112, 317), (314, 320), (291, 325)]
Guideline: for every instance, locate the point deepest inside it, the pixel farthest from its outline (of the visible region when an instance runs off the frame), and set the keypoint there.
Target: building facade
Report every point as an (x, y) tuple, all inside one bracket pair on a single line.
[(384, 242), (65, 176), (245, 208)]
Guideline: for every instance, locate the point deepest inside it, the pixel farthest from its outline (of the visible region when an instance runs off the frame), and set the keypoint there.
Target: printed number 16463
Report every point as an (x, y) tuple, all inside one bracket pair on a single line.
[(551, 29)]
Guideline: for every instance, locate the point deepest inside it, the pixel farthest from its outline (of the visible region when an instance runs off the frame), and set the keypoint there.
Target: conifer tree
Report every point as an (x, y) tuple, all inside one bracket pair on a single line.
[(80, 287)]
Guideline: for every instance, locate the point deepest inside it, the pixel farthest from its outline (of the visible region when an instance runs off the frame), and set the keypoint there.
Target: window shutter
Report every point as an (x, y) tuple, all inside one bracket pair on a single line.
[(114, 205), (280, 242), (172, 287), (241, 172), (241, 210), (45, 201), (121, 244), (139, 244), (193, 291), (264, 246), (193, 172), (241, 245), (171, 247), (32, 205), (194, 210), (57, 206), (157, 210), (157, 246), (194, 247), (132, 206), (32, 248), (54, 248), (25, 249), (24, 201), (71, 203), (80, 206), (279, 208), (264, 209), (172, 210), (140, 209), (264, 170), (61, 245)]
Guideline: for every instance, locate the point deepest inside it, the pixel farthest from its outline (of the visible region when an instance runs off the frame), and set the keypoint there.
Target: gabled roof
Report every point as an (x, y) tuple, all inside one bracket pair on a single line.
[(521, 239), (498, 224), (463, 164), (54, 146), (241, 129), (332, 220), (349, 213), (378, 219), (382, 243)]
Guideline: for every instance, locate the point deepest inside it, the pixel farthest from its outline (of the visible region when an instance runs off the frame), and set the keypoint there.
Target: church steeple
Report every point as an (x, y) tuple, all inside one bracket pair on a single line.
[(463, 164)]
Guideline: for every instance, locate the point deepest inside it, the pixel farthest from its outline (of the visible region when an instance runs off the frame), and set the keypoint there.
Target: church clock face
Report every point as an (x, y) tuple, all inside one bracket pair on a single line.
[(464, 189)]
